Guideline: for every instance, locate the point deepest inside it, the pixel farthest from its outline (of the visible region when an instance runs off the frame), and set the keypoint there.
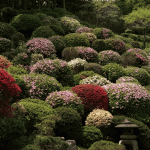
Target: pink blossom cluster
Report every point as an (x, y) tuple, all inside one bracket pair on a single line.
[(84, 29)]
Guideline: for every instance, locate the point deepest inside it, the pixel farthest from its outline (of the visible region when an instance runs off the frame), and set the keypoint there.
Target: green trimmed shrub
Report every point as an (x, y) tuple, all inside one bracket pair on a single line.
[(43, 31), (86, 136), (31, 147), (103, 145), (40, 85), (17, 38), (83, 75), (139, 73), (113, 71), (35, 58), (6, 30), (147, 68), (5, 45), (97, 68), (70, 120), (109, 56), (76, 39), (42, 16), (69, 24)]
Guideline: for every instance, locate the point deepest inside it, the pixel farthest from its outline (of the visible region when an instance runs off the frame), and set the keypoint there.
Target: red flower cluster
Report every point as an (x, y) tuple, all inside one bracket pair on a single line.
[(92, 96), (8, 89)]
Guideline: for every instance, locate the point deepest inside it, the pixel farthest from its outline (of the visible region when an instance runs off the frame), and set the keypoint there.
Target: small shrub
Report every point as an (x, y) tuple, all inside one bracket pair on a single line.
[(56, 68), (103, 145), (83, 75), (42, 46), (113, 71), (76, 39), (66, 99), (93, 67), (70, 25), (147, 68), (5, 45), (42, 16), (77, 65), (92, 96), (70, 120), (4, 62), (139, 73), (84, 29), (109, 56), (96, 80), (35, 58), (40, 85)]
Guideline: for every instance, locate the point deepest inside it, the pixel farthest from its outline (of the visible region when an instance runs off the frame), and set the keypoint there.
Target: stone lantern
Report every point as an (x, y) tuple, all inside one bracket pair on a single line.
[(128, 137)]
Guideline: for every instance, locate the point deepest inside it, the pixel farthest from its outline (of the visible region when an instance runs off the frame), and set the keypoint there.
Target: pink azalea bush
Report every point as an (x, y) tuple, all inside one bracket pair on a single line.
[(41, 45), (65, 98), (127, 98), (84, 29), (109, 56), (56, 68), (40, 85)]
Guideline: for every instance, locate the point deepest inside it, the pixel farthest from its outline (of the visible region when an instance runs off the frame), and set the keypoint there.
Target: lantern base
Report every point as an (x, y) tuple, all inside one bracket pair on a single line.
[(130, 142)]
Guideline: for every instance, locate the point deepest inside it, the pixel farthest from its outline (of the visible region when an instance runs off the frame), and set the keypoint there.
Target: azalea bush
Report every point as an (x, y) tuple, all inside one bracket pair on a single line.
[(42, 46), (96, 80), (109, 56), (84, 29), (92, 96), (66, 99), (4, 62), (77, 65), (40, 85), (56, 68), (128, 99), (8, 89)]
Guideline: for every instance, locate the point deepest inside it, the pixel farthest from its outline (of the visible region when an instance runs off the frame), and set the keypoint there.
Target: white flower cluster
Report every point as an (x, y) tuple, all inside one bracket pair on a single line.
[(97, 80)]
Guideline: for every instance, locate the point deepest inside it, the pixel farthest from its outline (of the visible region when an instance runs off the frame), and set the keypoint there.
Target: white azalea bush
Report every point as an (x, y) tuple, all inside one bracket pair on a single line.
[(77, 65), (97, 80), (99, 118)]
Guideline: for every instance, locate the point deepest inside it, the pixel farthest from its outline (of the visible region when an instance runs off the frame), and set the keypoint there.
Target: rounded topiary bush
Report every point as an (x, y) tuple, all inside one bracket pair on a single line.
[(113, 71), (4, 62), (127, 79), (77, 65), (17, 38), (40, 85), (103, 145), (76, 39), (59, 44), (147, 68), (42, 16), (103, 33), (56, 68), (97, 68), (139, 73), (92, 96), (41, 46), (43, 31), (69, 24), (35, 58), (109, 56), (128, 99), (96, 80), (5, 45), (70, 120), (66, 99), (26, 23), (6, 30), (84, 29), (83, 75), (86, 136)]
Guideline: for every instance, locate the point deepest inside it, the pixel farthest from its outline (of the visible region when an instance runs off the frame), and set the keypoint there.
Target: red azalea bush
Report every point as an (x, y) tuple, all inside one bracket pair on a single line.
[(8, 88), (92, 96)]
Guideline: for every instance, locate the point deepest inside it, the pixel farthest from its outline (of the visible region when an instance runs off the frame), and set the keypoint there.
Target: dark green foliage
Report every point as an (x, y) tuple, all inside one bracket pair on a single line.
[(83, 75), (86, 136), (6, 30), (106, 145), (147, 68), (11, 128), (132, 36), (113, 71), (43, 31), (16, 38), (50, 12), (70, 120), (70, 53), (75, 39), (58, 29), (93, 67), (5, 45), (8, 13), (31, 147), (42, 16)]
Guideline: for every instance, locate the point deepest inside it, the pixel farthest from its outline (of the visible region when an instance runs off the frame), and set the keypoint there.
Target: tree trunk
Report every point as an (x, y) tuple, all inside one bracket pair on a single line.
[(64, 4)]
